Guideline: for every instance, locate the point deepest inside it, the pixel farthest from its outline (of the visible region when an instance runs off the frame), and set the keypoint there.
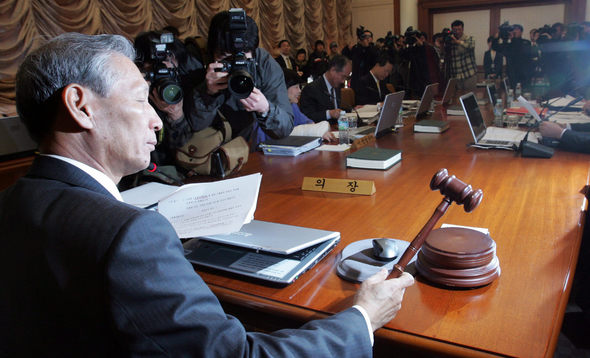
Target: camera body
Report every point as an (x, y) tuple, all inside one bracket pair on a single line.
[(447, 36), (165, 80), (504, 30), (238, 66)]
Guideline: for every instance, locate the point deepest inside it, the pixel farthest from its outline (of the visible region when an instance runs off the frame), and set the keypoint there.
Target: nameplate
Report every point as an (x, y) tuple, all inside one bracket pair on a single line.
[(369, 139), (345, 186)]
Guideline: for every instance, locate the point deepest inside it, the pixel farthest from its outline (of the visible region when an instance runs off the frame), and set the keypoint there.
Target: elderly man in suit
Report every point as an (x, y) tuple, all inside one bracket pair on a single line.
[(320, 100), (372, 87), (86, 275)]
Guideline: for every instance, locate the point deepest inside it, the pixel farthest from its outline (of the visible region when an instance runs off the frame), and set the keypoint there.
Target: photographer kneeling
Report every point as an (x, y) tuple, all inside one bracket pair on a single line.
[(172, 73)]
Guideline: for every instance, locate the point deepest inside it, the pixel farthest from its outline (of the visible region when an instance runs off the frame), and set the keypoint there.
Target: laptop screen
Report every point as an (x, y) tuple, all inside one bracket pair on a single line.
[(389, 113), (492, 94), (449, 91), (473, 115), (427, 97)]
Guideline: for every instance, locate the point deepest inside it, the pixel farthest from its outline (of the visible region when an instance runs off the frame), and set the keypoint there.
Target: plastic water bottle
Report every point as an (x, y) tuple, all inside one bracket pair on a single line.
[(518, 91), (498, 113), (509, 98), (343, 133)]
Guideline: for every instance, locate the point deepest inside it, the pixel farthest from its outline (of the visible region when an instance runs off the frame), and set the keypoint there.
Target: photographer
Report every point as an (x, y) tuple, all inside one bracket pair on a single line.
[(172, 73), (363, 55), (517, 51), (423, 61), (461, 58), (244, 84)]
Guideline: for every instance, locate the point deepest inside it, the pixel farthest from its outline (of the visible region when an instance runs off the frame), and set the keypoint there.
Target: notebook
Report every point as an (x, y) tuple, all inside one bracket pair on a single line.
[(426, 100), (491, 89), (492, 137), (15, 140), (271, 252), (289, 146), (388, 117)]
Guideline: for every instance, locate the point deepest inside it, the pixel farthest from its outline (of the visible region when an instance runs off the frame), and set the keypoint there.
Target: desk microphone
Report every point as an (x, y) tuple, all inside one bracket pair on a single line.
[(534, 150), (153, 168)]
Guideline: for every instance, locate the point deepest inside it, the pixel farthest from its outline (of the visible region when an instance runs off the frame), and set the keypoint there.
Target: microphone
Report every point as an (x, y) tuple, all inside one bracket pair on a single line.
[(534, 150), (153, 168)]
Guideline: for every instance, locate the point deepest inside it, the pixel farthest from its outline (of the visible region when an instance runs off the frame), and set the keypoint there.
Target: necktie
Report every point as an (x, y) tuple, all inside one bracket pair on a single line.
[(333, 95), (288, 63)]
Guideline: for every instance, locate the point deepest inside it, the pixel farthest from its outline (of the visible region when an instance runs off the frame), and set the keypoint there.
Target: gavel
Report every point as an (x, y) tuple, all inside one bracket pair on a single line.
[(453, 189)]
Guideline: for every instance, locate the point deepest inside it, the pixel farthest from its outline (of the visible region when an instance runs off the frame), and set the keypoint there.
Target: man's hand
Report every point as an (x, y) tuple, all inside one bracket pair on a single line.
[(174, 111), (329, 137), (335, 113), (256, 102), (586, 108), (216, 81), (551, 129), (381, 298)]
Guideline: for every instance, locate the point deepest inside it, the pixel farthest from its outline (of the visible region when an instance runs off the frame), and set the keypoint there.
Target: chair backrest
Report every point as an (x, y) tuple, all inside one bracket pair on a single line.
[(347, 98)]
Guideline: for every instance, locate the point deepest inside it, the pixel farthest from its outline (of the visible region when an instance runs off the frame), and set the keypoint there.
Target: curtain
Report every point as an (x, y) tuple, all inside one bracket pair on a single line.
[(25, 24)]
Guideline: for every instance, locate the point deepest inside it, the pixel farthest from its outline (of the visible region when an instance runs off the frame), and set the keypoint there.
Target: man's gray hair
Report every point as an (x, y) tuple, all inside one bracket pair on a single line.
[(66, 59)]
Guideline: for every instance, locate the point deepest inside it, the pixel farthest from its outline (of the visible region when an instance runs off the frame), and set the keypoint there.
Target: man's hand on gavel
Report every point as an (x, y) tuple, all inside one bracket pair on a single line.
[(382, 298)]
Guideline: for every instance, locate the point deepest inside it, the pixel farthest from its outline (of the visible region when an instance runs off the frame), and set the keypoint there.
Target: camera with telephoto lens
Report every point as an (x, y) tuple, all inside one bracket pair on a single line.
[(411, 36), (165, 80), (504, 30), (240, 68), (447, 36)]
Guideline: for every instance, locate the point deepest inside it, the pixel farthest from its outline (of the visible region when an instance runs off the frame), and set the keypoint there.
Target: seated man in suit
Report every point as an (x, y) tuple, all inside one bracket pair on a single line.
[(320, 100), (284, 58), (83, 273), (372, 87), (574, 137)]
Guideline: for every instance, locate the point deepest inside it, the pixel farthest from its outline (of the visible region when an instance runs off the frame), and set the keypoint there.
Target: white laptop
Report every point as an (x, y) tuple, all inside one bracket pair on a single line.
[(490, 137), (271, 252), (388, 117), (426, 101)]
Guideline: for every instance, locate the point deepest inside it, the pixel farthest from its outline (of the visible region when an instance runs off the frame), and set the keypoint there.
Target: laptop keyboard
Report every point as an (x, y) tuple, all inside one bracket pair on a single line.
[(497, 142)]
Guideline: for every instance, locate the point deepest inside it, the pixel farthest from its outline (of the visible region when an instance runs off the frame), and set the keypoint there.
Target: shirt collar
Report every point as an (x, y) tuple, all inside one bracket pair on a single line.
[(97, 175), (327, 83)]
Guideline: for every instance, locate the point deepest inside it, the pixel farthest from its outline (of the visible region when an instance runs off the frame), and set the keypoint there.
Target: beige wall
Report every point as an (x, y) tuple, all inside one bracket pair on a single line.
[(408, 14), (375, 15)]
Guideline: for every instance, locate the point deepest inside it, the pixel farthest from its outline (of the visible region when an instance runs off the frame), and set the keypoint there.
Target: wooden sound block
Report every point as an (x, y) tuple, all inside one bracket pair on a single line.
[(458, 248), (458, 257)]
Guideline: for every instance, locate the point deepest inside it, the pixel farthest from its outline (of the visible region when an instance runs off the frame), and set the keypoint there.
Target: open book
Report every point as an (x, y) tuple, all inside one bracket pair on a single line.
[(201, 209)]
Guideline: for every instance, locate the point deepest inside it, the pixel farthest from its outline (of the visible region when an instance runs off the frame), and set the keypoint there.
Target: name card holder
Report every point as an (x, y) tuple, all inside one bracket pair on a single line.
[(345, 186), (369, 139)]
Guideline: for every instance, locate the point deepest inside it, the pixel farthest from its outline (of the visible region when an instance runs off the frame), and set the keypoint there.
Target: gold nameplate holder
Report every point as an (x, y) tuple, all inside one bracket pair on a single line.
[(344, 186)]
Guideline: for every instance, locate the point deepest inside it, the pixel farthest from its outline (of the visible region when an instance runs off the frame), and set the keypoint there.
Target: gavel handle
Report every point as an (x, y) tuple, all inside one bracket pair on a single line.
[(416, 244)]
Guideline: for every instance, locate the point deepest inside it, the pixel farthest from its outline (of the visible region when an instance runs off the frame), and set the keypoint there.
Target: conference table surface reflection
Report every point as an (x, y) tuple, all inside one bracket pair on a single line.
[(533, 208)]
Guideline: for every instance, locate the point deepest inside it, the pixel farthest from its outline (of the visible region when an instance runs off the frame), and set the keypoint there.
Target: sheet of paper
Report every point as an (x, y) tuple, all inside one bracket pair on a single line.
[(564, 101), (570, 117), (148, 194), (529, 108), (334, 147), (212, 208), (483, 230)]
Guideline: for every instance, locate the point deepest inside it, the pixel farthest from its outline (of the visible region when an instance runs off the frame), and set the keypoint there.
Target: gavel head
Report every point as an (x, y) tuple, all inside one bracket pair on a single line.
[(456, 190)]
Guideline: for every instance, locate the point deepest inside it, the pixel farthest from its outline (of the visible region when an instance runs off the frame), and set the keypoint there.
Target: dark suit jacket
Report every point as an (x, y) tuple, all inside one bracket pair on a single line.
[(577, 139), (315, 100), (84, 275), (498, 64), (367, 90), (282, 63)]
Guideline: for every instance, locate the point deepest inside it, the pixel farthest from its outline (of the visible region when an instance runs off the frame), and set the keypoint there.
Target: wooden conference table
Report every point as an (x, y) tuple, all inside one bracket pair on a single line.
[(533, 208)]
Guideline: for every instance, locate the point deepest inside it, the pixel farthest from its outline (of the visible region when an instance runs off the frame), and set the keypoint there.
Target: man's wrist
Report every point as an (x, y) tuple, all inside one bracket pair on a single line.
[(363, 312)]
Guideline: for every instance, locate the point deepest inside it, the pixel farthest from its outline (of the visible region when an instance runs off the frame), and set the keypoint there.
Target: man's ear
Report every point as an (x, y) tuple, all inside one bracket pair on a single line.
[(76, 101)]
